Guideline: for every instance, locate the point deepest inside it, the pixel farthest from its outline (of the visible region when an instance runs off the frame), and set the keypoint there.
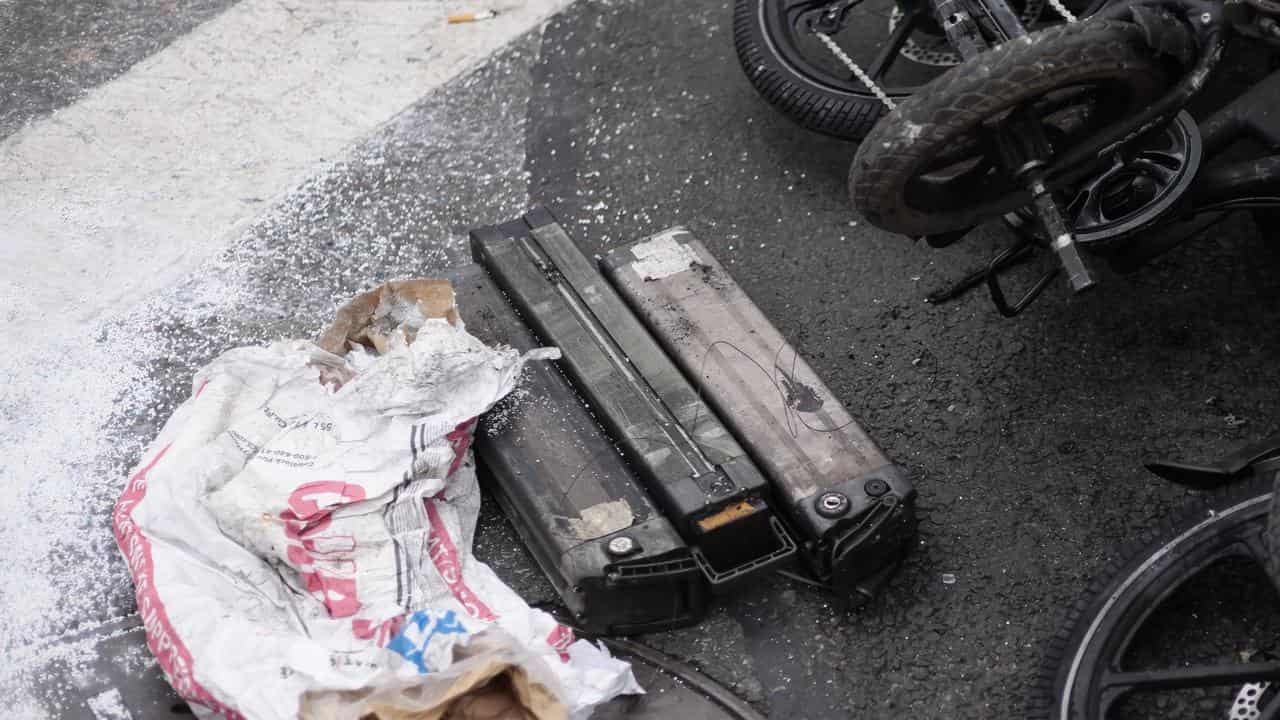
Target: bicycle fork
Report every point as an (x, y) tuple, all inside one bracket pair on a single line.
[(973, 27)]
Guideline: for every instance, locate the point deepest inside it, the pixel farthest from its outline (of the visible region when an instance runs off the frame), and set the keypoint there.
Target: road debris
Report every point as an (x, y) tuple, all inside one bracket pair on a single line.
[(300, 532), (467, 17)]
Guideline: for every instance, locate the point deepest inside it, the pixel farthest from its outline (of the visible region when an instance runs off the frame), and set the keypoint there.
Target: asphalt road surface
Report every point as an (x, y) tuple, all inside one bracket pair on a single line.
[(1025, 437)]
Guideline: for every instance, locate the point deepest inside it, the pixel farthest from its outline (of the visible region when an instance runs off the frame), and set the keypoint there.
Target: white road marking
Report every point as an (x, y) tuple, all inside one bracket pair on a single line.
[(106, 206), (121, 193)]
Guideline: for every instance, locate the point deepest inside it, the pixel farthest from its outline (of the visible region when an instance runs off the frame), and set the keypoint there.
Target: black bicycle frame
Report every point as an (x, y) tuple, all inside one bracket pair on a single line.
[(1194, 31)]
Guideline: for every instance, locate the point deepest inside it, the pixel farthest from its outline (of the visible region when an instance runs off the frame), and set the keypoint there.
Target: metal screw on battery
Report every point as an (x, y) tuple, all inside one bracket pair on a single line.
[(1206, 18), (622, 545), (832, 504), (875, 487), (721, 486)]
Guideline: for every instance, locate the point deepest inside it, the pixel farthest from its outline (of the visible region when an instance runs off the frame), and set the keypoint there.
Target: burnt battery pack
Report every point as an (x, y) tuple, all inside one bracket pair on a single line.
[(617, 563), (706, 485), (852, 508)]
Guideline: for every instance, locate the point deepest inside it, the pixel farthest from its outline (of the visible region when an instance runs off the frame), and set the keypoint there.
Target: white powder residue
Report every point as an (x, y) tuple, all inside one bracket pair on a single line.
[(109, 706), (80, 401), (76, 409)]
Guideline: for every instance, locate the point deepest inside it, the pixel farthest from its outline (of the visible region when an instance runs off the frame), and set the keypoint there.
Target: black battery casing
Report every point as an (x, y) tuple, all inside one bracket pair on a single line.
[(568, 491), (703, 481), (851, 507)]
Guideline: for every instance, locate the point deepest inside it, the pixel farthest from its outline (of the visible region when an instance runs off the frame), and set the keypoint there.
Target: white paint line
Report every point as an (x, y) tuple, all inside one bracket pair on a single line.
[(138, 188), (123, 192)]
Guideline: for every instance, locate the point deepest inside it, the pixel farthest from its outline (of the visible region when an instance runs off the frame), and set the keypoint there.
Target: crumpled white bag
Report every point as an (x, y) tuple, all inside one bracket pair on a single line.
[(286, 537)]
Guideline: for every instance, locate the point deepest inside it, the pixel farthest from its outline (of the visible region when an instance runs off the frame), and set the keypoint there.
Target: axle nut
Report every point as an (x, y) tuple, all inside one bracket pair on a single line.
[(875, 487), (722, 486), (622, 545), (832, 504)]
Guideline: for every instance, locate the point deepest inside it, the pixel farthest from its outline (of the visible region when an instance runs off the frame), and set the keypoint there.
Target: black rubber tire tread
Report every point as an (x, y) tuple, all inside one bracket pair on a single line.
[(842, 115), (1042, 700), (1016, 71)]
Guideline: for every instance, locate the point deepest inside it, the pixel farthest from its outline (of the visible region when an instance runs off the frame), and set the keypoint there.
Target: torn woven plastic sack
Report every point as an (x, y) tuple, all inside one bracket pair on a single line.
[(305, 551)]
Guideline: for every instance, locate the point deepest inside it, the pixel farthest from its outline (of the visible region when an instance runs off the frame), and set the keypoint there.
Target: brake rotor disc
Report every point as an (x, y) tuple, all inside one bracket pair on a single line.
[(1246, 705), (936, 50), (1134, 191)]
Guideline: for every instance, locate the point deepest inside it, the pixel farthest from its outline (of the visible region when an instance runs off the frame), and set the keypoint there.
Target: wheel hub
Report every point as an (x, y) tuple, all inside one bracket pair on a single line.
[(1134, 191)]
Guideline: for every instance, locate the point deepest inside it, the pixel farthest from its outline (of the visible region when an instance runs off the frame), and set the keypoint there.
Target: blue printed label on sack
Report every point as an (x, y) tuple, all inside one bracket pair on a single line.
[(414, 639)]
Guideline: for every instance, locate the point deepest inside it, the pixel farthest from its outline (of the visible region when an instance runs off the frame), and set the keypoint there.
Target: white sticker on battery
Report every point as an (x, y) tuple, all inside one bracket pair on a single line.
[(602, 519), (661, 257)]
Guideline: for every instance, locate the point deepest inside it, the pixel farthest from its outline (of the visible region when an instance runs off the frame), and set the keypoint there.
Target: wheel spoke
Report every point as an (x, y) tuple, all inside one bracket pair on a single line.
[(1090, 211), (1192, 677), (1256, 547), (1162, 173), (1255, 543), (893, 46)]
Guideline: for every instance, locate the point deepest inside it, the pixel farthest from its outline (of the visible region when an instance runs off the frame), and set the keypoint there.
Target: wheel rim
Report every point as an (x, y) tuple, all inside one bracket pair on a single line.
[(1095, 680), (1133, 191)]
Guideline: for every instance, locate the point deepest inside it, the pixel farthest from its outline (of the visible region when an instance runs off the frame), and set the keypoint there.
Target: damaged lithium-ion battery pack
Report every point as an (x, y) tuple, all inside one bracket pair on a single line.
[(616, 562), (691, 412), (688, 462), (851, 507)]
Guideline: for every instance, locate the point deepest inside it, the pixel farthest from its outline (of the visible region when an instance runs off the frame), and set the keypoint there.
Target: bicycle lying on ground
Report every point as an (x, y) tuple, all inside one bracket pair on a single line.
[(1108, 662), (1077, 134)]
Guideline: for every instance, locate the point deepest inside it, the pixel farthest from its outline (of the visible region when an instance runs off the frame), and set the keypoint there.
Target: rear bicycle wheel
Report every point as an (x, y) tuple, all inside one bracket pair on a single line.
[(1090, 670), (897, 42), (795, 73)]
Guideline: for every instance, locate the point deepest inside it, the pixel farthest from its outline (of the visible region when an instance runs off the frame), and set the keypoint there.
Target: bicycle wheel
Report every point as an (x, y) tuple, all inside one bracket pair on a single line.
[(931, 167), (1091, 668), (793, 71)]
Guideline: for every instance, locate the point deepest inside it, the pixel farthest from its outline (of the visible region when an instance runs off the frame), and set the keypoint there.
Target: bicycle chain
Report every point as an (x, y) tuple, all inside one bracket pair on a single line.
[(1057, 5), (857, 70), (1062, 10)]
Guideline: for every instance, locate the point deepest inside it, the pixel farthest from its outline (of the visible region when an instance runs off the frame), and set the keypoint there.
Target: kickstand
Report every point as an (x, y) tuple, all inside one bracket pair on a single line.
[(998, 264), (1015, 255)]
